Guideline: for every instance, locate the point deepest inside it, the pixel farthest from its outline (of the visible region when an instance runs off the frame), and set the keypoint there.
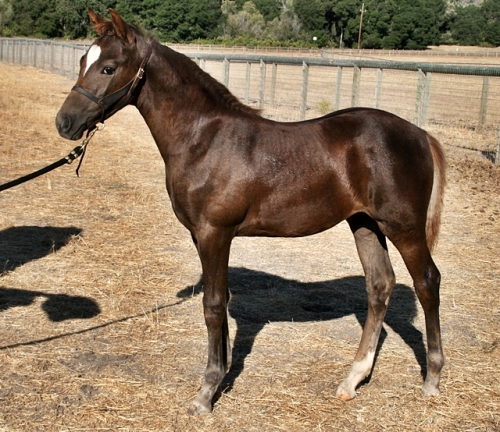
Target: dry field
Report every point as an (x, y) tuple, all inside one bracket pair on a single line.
[(101, 324)]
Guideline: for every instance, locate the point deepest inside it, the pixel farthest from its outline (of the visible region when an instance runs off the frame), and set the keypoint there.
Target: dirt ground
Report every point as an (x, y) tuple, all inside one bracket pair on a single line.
[(101, 319)]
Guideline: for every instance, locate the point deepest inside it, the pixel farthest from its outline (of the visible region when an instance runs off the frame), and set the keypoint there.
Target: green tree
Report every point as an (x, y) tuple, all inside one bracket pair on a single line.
[(477, 25), (387, 23), (131, 11), (185, 21), (287, 26), (344, 17), (311, 14), (35, 18), (270, 9), (491, 13), (6, 13), (248, 22)]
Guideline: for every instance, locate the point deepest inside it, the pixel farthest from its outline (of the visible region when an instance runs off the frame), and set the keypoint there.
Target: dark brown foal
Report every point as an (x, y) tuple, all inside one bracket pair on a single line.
[(231, 172)]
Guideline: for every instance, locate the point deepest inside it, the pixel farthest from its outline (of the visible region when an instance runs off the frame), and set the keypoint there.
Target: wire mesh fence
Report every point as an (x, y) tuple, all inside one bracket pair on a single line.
[(459, 104)]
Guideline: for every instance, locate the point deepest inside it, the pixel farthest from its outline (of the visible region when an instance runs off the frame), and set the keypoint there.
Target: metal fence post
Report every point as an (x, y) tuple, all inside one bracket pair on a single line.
[(262, 91), (338, 86), (483, 111), (356, 80), (305, 84)]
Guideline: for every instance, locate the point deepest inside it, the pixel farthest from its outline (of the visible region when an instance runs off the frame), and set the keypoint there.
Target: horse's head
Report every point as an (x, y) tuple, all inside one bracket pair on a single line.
[(110, 72)]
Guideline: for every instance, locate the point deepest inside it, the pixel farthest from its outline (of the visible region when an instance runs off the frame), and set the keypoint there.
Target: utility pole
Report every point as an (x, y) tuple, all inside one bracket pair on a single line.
[(361, 25)]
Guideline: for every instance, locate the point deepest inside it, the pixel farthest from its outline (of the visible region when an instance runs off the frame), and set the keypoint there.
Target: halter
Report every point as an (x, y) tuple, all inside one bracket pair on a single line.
[(107, 102)]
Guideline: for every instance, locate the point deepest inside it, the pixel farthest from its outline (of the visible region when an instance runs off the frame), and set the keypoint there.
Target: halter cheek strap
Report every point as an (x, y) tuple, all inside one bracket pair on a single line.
[(109, 101)]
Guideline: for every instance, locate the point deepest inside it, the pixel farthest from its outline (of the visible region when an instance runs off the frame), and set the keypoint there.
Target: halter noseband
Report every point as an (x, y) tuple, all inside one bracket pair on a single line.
[(110, 100)]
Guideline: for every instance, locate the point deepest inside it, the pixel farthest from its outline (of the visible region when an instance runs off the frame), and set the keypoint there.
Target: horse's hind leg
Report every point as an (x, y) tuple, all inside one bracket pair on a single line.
[(426, 278), (380, 280)]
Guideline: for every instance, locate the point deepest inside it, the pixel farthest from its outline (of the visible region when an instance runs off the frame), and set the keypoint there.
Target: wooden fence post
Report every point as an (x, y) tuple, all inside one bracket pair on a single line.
[(262, 91), (497, 155), (305, 84), (426, 97), (273, 84), (378, 88), (62, 69), (483, 111), (418, 98), (247, 82), (225, 77), (356, 79), (52, 56), (338, 86), (73, 55)]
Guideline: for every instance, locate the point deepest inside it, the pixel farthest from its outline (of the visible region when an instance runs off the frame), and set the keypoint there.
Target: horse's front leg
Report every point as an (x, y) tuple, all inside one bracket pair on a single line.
[(213, 247)]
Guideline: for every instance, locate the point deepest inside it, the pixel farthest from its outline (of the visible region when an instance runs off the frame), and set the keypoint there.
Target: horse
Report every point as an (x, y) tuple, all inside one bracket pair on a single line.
[(231, 172)]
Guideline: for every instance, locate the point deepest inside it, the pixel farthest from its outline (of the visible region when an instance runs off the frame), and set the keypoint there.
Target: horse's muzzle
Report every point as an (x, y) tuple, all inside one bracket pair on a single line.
[(67, 128)]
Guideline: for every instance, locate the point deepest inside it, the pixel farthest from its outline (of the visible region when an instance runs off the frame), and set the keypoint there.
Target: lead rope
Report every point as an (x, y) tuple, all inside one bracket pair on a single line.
[(74, 154), (90, 134)]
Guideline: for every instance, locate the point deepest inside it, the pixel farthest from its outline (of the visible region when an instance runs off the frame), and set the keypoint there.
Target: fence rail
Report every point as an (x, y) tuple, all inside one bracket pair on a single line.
[(460, 104), (484, 53)]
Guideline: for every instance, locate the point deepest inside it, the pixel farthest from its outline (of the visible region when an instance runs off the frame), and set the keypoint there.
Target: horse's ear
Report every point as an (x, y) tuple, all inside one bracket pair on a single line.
[(122, 29), (100, 24)]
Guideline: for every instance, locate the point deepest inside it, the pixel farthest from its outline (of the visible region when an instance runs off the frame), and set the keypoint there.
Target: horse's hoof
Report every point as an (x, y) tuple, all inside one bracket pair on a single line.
[(429, 390), (197, 408), (344, 394)]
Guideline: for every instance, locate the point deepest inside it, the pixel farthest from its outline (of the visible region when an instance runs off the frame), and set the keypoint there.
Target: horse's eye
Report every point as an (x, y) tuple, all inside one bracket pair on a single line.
[(108, 70)]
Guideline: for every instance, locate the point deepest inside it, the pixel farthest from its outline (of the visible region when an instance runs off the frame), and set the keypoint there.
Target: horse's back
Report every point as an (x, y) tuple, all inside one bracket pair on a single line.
[(312, 175)]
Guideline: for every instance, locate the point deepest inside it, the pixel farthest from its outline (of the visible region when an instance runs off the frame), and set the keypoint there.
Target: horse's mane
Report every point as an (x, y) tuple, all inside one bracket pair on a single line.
[(216, 90)]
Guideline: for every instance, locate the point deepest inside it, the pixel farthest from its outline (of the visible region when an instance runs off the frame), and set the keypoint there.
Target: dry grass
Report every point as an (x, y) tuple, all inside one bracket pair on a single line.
[(102, 327)]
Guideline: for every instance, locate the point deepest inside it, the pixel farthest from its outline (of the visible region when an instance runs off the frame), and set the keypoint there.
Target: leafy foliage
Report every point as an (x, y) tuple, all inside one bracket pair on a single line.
[(474, 25), (391, 24)]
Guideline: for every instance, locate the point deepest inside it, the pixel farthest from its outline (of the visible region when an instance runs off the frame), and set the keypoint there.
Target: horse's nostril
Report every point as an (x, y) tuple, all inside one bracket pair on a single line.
[(64, 124)]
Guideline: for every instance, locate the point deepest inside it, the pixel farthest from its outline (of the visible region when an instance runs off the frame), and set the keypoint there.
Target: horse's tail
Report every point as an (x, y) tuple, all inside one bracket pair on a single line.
[(436, 201)]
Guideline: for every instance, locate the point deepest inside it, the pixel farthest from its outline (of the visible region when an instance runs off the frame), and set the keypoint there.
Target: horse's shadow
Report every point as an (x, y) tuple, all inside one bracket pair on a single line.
[(258, 298), (20, 245)]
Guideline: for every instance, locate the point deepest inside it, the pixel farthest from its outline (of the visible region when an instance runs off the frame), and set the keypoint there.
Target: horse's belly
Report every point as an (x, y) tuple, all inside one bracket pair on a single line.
[(296, 220)]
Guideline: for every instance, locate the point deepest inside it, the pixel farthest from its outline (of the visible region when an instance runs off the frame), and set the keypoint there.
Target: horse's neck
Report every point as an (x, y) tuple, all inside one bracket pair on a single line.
[(184, 93), (177, 99)]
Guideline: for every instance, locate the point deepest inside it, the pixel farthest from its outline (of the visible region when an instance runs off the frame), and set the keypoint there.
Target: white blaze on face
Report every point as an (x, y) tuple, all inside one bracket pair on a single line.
[(92, 56)]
